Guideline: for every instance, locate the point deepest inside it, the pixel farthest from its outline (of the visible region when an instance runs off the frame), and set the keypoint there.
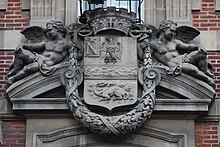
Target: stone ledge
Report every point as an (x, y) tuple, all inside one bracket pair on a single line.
[(174, 105), (180, 94)]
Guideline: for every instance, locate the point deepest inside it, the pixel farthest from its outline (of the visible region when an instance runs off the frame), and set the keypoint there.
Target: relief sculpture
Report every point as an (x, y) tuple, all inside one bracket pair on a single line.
[(44, 48), (172, 48), (118, 61), (110, 92)]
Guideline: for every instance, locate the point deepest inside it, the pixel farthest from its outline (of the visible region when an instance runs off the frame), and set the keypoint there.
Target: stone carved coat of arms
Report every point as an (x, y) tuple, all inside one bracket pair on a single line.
[(110, 57), (110, 103)]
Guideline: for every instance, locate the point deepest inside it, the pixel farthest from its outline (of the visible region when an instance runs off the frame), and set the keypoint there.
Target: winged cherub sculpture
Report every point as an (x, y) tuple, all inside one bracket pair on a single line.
[(171, 47), (43, 50)]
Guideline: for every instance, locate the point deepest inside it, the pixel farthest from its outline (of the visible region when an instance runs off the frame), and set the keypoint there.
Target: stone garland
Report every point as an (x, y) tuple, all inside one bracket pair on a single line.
[(111, 125)]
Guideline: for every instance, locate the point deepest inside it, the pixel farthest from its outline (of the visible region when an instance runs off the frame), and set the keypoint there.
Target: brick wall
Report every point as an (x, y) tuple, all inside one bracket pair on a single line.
[(215, 59), (12, 18), (207, 134), (6, 59), (207, 19), (14, 133)]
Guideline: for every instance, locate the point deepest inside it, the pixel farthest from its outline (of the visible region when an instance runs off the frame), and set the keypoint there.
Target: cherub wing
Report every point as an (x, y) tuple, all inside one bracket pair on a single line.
[(34, 34), (186, 33), (155, 32)]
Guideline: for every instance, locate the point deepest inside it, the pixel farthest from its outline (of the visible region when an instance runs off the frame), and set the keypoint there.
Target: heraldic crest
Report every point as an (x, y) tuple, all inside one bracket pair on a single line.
[(113, 59)]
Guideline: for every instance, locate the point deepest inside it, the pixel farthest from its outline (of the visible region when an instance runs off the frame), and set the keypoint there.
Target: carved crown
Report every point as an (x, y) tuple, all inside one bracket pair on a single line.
[(110, 19)]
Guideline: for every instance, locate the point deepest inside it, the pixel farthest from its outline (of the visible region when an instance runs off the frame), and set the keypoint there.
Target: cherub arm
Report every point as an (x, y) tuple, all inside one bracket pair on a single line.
[(35, 47), (185, 47)]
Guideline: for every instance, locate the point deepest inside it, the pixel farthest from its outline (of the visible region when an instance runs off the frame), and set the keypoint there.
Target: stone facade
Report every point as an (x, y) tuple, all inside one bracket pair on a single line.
[(175, 122)]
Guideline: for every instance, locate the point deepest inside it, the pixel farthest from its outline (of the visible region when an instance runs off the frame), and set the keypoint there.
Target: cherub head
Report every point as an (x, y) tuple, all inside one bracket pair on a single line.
[(167, 24), (168, 27), (55, 27)]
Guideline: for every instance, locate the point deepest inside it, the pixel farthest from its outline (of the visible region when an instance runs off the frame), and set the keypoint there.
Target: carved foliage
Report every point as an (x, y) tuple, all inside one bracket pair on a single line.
[(118, 124)]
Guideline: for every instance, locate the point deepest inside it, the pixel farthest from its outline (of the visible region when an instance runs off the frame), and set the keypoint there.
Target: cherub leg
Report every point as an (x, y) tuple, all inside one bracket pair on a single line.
[(203, 66), (195, 72), (16, 66), (27, 70), (199, 59)]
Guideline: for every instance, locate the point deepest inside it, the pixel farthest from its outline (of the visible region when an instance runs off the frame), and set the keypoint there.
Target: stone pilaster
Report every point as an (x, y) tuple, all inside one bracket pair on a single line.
[(156, 11), (3, 4), (44, 10)]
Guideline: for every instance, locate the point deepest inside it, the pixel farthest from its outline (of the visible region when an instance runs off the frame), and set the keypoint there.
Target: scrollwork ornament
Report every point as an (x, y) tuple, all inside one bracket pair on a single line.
[(111, 125)]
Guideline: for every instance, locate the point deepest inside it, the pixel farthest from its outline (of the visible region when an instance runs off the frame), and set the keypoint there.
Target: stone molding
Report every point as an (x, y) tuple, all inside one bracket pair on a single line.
[(24, 94), (25, 4), (39, 139), (217, 5), (44, 10), (9, 39), (196, 5), (3, 4), (180, 11), (179, 105), (34, 85), (184, 82)]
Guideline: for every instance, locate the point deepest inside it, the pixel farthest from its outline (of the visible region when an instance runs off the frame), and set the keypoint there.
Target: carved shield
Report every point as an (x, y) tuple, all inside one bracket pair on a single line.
[(110, 71), (109, 104)]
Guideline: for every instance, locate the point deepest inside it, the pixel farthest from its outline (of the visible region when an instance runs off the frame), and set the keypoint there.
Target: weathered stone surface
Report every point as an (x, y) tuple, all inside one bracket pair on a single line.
[(9, 39), (65, 132), (208, 39), (5, 106), (116, 51)]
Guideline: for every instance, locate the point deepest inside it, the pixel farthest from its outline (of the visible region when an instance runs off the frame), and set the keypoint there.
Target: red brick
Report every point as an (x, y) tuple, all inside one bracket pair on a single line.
[(14, 0), (208, 24), (202, 29), (203, 145), (6, 20), (195, 24), (21, 20), (211, 5), (208, 9), (13, 16), (13, 25), (17, 4), (207, 16), (14, 9), (207, 0), (17, 145), (4, 145), (200, 13), (204, 5), (9, 141), (212, 13), (211, 141), (214, 137)]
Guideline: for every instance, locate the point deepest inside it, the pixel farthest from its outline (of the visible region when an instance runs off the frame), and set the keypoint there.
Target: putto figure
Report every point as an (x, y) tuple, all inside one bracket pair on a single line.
[(44, 49), (171, 49)]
